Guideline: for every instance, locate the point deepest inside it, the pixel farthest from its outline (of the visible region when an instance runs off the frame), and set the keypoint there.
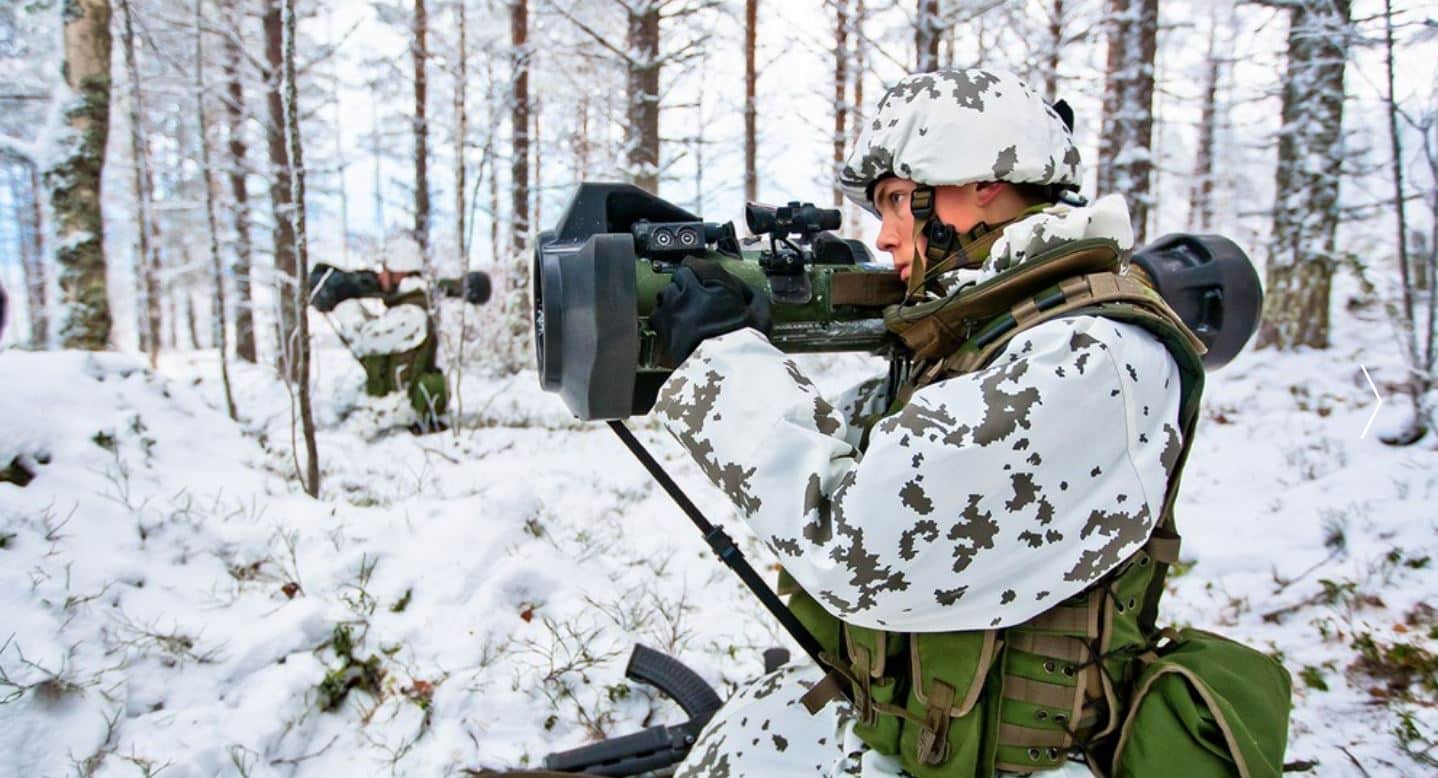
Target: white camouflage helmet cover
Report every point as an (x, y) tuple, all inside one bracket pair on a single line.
[(954, 127), (402, 255)]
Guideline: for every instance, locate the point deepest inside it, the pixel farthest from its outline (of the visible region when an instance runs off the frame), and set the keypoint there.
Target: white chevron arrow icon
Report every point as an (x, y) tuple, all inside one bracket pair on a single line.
[(1376, 408)]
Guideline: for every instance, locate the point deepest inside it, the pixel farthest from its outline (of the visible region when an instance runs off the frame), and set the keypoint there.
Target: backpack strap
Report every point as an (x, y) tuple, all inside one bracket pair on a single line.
[(1068, 297)]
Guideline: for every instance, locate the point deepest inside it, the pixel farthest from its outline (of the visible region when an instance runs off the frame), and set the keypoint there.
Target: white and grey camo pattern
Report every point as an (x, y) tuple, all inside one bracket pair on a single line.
[(393, 331), (986, 500), (764, 732), (1107, 217), (954, 127)]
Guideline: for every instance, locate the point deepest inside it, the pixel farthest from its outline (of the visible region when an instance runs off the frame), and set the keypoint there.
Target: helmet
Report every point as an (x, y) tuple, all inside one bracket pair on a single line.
[(954, 127), (402, 255)]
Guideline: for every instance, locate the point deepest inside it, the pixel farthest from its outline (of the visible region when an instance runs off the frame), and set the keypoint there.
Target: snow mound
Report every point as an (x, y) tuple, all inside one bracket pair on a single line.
[(468, 599)]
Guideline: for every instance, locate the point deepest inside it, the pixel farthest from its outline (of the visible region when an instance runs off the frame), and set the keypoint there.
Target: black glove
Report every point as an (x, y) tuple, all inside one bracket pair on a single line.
[(703, 301)]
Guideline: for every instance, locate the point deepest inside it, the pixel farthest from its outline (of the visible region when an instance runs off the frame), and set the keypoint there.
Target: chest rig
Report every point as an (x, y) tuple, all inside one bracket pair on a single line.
[(1024, 698)]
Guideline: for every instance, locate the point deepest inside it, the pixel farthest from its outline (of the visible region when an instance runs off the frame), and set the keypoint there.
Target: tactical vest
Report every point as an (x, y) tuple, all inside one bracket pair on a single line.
[(1022, 698)]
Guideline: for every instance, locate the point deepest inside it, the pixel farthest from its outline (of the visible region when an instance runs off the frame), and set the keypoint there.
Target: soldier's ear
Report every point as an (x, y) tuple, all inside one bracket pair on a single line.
[(986, 191)]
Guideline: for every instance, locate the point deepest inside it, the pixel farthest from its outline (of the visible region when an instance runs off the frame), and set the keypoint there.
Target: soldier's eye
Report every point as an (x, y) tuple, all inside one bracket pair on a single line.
[(896, 199)]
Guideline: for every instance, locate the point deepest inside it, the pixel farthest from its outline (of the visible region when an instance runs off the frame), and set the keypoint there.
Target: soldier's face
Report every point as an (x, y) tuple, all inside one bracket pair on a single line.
[(958, 206), (896, 229)]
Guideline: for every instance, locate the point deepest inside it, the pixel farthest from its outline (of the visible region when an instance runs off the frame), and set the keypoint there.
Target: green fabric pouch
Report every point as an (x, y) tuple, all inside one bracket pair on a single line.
[(948, 731), (1207, 707), (376, 375), (820, 623), (882, 649)]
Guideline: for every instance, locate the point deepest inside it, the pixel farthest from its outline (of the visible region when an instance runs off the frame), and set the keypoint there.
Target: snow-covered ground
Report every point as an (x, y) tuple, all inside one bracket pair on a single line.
[(171, 603)]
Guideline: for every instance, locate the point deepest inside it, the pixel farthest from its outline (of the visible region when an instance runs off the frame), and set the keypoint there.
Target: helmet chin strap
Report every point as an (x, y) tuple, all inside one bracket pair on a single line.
[(945, 248)]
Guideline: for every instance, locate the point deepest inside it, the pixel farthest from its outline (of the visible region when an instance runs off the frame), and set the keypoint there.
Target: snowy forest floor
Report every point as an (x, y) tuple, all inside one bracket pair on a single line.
[(174, 605)]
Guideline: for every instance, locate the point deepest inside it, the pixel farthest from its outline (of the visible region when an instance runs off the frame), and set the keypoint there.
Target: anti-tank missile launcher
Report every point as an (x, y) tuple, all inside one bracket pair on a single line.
[(597, 277)]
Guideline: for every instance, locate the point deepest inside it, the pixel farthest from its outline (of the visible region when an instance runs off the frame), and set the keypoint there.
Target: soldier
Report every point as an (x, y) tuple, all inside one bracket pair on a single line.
[(398, 348), (978, 552)]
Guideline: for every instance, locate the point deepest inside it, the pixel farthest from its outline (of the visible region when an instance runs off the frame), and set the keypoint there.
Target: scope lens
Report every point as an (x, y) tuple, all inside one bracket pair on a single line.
[(688, 237), (663, 238)]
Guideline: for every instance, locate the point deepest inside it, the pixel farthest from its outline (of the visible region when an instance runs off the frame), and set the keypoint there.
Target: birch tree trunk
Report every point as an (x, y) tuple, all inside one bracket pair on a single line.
[(1200, 203), (1303, 253), (377, 155), (30, 213), (492, 99), (419, 48), (73, 179), (536, 142), (697, 139), (1125, 147), (282, 194), (1054, 46), (751, 108), (217, 268), (582, 143), (1417, 339), (192, 325), (489, 153), (147, 286), (461, 237), (518, 275), (928, 29), (856, 107), (239, 190), (461, 133), (296, 177), (642, 131), (841, 93)]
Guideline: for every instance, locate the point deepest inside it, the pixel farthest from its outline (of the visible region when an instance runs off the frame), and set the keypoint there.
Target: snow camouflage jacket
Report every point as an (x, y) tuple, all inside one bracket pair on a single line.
[(993, 499), (403, 325), (985, 500)]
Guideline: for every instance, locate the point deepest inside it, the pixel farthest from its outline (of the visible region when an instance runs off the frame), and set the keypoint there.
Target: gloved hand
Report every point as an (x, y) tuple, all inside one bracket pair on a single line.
[(703, 301)]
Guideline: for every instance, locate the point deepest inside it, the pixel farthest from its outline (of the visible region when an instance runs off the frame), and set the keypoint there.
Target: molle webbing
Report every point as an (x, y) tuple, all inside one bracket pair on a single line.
[(1048, 680), (1066, 298)]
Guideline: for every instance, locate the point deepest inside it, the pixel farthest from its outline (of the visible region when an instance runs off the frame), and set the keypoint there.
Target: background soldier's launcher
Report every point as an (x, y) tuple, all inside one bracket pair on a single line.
[(329, 286), (598, 274)]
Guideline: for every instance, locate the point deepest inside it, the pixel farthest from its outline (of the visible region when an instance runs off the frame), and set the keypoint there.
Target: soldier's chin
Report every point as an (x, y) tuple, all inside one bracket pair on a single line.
[(904, 272)]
